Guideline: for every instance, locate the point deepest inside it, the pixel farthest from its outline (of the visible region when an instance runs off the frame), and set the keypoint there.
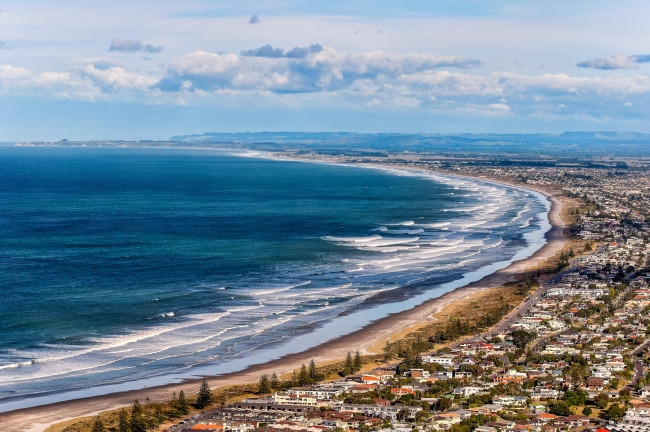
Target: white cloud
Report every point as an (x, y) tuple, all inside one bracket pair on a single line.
[(616, 61), (10, 74), (447, 83), (51, 79), (331, 79), (499, 107), (489, 110), (271, 52), (116, 77), (310, 69), (202, 63), (133, 46)]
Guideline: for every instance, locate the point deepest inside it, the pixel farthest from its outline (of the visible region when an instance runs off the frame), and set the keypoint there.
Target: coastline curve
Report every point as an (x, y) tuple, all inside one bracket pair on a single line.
[(370, 333)]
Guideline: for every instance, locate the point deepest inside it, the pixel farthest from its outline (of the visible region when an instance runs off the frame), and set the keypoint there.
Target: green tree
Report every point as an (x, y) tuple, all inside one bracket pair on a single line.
[(444, 403), (183, 408), (521, 338), (575, 398), (614, 412), (313, 372), (349, 363), (624, 394), (264, 386), (587, 411), (137, 422), (158, 414), (421, 416), (173, 406), (476, 370), (358, 362), (403, 414), (602, 400), (579, 372), (204, 397), (303, 376), (388, 353), (123, 421), (98, 425), (275, 382), (559, 408)]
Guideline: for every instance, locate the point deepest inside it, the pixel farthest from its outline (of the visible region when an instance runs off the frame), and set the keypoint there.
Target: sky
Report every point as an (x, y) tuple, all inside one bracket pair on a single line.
[(152, 69)]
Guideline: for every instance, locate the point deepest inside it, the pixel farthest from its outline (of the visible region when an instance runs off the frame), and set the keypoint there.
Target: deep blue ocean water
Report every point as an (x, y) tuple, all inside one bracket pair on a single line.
[(124, 264)]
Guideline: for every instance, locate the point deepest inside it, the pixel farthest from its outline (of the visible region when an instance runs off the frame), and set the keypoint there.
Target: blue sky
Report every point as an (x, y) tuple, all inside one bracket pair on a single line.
[(152, 69)]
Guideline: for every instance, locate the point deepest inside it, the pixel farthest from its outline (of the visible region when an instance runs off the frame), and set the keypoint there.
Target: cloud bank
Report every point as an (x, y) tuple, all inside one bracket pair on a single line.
[(615, 61), (320, 76), (133, 46), (299, 70), (270, 52)]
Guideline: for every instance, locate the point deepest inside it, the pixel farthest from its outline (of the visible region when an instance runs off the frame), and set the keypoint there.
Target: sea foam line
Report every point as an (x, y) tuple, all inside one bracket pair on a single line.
[(103, 344)]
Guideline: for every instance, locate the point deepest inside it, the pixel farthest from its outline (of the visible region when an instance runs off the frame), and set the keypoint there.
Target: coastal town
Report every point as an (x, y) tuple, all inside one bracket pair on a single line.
[(339, 216), (572, 356)]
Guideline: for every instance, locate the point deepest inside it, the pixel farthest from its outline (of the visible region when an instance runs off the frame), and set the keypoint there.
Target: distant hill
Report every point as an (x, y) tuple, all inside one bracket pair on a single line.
[(567, 143)]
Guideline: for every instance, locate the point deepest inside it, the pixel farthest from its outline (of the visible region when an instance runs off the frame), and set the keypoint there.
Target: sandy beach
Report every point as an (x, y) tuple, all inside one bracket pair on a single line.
[(39, 418)]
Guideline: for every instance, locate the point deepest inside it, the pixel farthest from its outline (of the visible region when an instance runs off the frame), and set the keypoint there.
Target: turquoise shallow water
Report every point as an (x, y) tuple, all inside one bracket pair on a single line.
[(125, 264)]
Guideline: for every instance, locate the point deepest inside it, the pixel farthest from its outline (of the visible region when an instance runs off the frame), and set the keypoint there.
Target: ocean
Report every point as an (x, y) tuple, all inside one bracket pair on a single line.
[(124, 267)]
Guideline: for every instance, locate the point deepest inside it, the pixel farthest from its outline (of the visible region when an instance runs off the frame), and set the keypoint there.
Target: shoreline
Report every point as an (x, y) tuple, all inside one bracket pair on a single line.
[(40, 417)]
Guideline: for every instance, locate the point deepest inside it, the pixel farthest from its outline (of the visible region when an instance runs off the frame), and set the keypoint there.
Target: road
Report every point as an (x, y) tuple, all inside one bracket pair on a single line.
[(191, 423), (521, 309), (526, 305), (639, 369), (530, 302)]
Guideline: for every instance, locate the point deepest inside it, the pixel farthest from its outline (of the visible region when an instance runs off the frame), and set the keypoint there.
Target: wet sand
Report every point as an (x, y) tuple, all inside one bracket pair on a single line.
[(39, 418)]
